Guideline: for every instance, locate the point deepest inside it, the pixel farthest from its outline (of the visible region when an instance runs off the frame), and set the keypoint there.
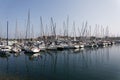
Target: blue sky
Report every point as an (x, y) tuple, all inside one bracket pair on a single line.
[(102, 12)]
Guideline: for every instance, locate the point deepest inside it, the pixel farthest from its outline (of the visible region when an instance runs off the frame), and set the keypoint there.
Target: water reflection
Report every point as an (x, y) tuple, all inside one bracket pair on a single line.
[(5, 55), (58, 65), (65, 63)]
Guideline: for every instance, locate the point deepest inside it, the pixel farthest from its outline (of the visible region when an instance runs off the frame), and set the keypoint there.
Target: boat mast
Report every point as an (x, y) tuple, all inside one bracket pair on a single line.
[(16, 31), (84, 30), (7, 32), (107, 31), (67, 26), (53, 28), (74, 31), (64, 29), (0, 32), (41, 26), (32, 33), (89, 31), (81, 32), (28, 26)]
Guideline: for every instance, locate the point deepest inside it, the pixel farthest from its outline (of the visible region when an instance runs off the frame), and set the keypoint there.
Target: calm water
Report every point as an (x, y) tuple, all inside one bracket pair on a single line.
[(87, 64)]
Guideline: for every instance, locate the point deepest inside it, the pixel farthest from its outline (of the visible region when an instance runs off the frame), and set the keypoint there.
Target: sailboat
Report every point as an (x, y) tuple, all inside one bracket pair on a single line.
[(15, 47), (29, 47), (51, 46), (32, 49), (5, 49)]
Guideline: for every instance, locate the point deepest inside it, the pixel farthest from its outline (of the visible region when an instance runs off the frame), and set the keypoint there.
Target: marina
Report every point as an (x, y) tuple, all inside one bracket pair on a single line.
[(59, 40), (37, 46), (57, 57), (72, 64)]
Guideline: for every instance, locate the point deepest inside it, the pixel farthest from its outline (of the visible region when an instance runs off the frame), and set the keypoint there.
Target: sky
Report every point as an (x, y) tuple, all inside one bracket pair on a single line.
[(101, 12)]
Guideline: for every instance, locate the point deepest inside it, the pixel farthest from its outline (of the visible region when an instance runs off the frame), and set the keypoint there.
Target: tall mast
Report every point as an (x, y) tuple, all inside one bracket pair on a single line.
[(52, 25), (79, 34), (53, 28), (89, 31), (7, 32), (28, 26), (84, 29), (74, 33), (32, 32), (107, 31), (46, 32), (41, 26), (101, 31), (16, 31), (55, 34), (1, 32), (64, 29), (67, 26)]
